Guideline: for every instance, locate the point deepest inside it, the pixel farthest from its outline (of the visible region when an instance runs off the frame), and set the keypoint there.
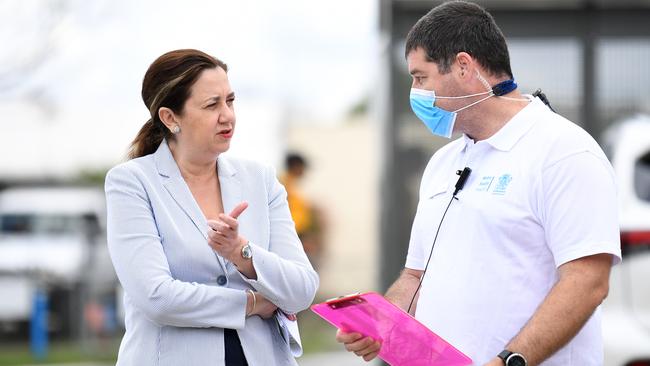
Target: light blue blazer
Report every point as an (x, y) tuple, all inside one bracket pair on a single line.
[(179, 294)]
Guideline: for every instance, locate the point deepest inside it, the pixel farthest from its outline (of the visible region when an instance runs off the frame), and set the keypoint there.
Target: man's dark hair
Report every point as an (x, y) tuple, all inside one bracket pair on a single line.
[(460, 26)]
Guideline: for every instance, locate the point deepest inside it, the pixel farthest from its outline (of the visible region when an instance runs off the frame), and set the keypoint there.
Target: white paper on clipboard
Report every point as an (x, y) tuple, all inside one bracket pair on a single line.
[(290, 333)]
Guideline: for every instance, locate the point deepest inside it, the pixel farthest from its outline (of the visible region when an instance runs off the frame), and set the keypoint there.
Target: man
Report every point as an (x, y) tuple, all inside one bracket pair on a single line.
[(523, 249)]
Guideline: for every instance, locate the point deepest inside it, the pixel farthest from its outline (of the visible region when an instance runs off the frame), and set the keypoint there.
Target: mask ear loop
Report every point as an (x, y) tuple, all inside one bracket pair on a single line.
[(498, 90), (489, 91), (477, 102), (465, 96)]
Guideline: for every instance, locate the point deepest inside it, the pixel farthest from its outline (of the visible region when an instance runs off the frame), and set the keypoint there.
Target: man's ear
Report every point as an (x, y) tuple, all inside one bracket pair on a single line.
[(167, 117), (465, 64)]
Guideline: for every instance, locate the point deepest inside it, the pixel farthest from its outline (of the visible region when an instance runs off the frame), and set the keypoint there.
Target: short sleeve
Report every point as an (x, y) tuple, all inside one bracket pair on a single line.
[(579, 209), (415, 259)]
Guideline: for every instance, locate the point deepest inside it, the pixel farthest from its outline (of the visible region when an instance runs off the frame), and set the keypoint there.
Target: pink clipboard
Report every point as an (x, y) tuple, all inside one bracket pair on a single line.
[(404, 340)]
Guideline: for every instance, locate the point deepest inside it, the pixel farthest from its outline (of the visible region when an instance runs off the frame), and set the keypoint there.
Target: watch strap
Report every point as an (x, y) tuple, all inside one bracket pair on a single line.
[(504, 355)]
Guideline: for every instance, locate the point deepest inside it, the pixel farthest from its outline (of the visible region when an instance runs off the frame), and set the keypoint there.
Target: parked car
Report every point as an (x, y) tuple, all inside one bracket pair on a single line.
[(626, 312), (53, 239)]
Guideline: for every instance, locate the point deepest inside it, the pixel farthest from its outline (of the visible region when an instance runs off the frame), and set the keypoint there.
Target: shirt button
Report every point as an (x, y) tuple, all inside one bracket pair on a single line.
[(221, 280)]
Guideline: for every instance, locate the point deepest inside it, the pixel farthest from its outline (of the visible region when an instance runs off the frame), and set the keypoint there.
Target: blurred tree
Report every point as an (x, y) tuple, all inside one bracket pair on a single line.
[(91, 177), (360, 108)]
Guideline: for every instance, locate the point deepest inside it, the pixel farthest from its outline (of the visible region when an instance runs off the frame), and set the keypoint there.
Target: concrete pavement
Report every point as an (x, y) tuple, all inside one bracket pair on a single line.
[(340, 358)]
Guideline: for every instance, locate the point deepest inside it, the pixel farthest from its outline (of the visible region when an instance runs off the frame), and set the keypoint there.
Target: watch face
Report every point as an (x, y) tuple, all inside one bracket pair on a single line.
[(516, 360), (246, 252)]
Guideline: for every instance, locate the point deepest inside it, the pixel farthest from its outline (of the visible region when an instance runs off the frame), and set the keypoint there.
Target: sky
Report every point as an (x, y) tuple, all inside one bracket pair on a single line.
[(71, 71)]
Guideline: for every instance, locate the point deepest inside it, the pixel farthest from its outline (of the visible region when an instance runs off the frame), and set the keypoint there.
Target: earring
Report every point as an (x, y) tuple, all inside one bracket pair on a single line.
[(176, 129)]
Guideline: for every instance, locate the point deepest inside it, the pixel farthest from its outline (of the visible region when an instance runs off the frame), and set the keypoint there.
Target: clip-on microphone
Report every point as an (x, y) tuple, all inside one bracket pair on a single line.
[(464, 174)]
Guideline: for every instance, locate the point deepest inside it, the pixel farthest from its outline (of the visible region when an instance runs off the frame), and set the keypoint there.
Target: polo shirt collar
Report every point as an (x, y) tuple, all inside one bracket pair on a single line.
[(506, 137)]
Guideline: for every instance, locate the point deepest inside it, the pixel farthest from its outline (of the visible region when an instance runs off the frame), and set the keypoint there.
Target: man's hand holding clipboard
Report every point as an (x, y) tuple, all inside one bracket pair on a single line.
[(362, 346), (372, 326)]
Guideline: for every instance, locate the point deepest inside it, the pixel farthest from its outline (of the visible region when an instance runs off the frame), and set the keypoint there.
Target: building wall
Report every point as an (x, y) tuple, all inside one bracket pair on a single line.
[(343, 180)]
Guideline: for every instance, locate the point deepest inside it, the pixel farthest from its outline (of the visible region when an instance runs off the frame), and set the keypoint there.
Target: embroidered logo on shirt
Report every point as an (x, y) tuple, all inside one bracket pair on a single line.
[(502, 184), (485, 183)]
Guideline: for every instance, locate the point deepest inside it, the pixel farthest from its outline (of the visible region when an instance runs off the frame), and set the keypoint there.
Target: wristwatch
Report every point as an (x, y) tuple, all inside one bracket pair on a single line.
[(246, 251), (513, 358)]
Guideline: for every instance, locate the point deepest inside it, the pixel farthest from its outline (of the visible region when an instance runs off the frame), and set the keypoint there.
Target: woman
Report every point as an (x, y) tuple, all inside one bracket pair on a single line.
[(203, 244)]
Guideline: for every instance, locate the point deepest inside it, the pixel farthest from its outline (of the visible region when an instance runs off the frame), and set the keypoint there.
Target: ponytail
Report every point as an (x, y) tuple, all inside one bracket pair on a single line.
[(147, 140)]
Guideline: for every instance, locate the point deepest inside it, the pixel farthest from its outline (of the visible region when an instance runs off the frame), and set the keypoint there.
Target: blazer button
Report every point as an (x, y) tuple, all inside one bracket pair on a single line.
[(221, 280)]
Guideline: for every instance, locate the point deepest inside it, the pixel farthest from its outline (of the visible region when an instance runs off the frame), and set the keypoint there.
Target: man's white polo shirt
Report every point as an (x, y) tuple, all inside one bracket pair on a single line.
[(541, 193)]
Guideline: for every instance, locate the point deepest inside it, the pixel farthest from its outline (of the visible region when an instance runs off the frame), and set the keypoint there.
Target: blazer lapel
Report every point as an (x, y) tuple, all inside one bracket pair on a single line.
[(180, 192), (229, 186), (231, 194)]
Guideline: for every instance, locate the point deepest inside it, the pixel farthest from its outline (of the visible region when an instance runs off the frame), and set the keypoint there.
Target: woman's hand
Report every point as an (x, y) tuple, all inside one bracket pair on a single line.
[(224, 237), (261, 307)]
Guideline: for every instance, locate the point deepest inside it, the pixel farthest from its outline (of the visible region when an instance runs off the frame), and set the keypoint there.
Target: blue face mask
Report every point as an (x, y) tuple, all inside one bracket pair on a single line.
[(441, 122)]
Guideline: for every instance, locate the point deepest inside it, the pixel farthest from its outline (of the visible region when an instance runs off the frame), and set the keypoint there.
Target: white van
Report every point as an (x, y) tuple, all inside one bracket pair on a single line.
[(626, 311), (53, 238)]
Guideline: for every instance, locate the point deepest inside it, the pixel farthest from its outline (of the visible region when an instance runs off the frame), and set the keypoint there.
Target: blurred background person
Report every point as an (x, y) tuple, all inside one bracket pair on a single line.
[(308, 217)]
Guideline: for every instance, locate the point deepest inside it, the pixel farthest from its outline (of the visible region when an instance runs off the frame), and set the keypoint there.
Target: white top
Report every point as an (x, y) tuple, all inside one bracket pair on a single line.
[(541, 193)]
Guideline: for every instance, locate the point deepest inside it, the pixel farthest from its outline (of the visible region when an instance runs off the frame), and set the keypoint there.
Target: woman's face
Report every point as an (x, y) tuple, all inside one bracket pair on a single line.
[(208, 119)]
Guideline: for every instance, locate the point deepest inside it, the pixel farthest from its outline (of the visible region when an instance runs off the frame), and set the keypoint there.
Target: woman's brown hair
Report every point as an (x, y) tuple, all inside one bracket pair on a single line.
[(167, 83)]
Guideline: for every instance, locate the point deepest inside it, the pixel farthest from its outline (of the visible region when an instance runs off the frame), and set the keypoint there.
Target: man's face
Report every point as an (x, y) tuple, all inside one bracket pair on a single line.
[(426, 76), (424, 73)]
